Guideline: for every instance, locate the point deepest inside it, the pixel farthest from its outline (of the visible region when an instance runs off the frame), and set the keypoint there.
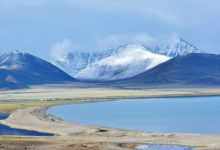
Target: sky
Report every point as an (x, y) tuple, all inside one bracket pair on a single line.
[(51, 28)]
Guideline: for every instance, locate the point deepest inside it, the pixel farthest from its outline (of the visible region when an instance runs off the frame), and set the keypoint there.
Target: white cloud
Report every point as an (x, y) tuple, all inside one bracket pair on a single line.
[(60, 49), (113, 41)]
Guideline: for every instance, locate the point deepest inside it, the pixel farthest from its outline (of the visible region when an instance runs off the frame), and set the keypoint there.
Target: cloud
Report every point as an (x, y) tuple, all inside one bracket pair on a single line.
[(60, 49), (113, 41)]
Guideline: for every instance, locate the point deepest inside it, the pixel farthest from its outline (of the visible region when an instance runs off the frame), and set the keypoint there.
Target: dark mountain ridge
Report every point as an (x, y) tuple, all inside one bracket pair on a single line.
[(194, 68), (22, 69)]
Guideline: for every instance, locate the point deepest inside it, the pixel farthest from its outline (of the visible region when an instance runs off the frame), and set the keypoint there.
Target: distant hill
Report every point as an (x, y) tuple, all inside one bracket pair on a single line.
[(193, 68), (18, 70)]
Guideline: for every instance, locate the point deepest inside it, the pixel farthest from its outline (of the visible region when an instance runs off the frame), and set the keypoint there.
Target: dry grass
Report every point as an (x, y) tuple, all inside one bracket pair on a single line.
[(62, 92), (47, 95)]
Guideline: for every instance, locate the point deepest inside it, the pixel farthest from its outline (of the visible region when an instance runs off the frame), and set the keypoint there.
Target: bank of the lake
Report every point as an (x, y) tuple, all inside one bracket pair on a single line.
[(6, 130), (34, 118)]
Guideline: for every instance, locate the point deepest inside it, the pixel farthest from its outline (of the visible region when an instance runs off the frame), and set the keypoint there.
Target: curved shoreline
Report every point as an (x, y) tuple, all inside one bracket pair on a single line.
[(34, 118)]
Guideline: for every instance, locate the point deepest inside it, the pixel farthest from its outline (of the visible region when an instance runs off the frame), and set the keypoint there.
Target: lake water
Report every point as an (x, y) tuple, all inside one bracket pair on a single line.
[(5, 130), (163, 147), (179, 115)]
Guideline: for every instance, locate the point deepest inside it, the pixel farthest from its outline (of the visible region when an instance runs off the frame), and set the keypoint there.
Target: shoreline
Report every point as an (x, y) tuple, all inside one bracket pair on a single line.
[(34, 118)]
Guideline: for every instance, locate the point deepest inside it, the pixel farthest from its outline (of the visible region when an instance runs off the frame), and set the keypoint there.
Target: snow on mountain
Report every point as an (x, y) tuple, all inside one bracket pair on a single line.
[(177, 47), (73, 62), (123, 63)]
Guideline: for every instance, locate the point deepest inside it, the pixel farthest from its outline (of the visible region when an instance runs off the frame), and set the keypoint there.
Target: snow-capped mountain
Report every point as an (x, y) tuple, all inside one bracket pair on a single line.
[(22, 69), (73, 62), (177, 47), (125, 62)]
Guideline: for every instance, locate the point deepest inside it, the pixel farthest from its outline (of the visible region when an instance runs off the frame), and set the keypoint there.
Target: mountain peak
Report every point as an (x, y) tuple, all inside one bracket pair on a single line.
[(13, 58), (23, 69), (15, 52), (176, 46), (124, 62)]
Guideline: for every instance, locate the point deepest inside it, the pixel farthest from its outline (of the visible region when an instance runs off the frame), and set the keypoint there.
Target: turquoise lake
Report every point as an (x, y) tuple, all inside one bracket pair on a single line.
[(179, 115)]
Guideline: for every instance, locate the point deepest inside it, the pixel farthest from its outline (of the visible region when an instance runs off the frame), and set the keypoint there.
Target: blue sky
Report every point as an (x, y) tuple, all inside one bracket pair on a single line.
[(50, 28)]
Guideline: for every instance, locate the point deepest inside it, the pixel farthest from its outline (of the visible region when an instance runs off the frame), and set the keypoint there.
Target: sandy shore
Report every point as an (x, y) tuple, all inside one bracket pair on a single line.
[(78, 136)]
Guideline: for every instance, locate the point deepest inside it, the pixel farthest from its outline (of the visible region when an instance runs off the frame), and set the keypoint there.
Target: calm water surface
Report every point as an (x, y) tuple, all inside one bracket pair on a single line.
[(5, 130), (180, 115), (163, 147)]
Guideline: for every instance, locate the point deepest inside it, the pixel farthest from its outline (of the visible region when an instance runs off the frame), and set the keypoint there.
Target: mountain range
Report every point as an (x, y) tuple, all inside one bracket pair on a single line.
[(176, 62), (18, 70), (123, 62), (126, 62)]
